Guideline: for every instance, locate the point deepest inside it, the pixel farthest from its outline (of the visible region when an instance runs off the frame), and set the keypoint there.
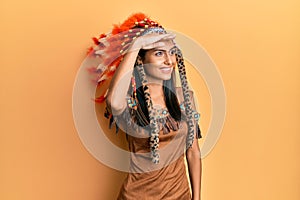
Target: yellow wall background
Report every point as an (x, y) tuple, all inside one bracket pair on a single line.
[(255, 44)]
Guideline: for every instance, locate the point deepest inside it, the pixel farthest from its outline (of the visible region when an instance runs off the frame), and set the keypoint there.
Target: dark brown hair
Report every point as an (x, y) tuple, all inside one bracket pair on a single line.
[(170, 97)]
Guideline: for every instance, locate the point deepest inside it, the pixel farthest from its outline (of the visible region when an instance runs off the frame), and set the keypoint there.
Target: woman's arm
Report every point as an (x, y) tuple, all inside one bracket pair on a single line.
[(193, 156), (117, 92), (115, 99)]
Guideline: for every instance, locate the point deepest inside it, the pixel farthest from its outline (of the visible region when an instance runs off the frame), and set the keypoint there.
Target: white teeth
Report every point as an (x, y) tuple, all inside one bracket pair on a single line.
[(166, 69)]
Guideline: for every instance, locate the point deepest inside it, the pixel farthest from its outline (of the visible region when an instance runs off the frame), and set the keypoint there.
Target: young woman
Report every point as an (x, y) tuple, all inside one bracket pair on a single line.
[(160, 119)]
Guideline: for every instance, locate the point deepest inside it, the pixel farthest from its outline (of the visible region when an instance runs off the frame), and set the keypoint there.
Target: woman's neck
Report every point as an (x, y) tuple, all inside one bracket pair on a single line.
[(156, 93), (155, 89)]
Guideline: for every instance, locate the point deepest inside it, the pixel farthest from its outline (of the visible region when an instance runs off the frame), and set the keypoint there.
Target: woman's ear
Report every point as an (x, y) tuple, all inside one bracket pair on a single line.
[(139, 59)]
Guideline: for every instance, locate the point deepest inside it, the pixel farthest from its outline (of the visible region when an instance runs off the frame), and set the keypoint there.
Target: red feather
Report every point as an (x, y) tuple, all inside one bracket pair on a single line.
[(129, 23), (89, 50), (102, 36), (100, 99)]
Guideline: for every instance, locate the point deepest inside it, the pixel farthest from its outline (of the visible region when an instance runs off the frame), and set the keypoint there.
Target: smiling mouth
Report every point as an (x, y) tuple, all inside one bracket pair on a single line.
[(166, 69)]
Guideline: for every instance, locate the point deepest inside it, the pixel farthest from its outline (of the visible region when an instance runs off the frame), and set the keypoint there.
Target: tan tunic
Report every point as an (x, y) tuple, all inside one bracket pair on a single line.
[(148, 181)]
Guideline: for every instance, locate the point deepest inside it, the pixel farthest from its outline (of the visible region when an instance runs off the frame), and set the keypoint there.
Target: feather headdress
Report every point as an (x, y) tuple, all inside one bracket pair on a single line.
[(109, 49)]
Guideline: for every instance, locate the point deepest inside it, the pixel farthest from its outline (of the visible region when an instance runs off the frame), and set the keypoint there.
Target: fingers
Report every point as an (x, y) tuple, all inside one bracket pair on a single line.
[(169, 36), (154, 45), (154, 40), (150, 41), (151, 38), (164, 36)]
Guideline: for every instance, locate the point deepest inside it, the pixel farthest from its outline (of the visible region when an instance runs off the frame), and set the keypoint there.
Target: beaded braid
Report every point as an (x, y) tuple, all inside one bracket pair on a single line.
[(187, 98), (154, 133)]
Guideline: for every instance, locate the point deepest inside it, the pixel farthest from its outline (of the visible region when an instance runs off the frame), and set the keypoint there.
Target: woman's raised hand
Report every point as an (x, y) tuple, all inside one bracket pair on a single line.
[(150, 41)]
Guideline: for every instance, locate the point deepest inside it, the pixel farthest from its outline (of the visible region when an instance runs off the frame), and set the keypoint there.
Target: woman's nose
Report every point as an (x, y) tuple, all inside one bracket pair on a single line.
[(168, 59)]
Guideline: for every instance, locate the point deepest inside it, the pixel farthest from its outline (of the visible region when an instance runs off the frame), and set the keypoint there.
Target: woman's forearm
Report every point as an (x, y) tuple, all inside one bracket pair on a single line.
[(195, 169), (120, 82)]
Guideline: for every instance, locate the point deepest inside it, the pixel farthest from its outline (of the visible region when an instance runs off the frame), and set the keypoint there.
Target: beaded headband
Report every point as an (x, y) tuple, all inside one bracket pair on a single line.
[(154, 30)]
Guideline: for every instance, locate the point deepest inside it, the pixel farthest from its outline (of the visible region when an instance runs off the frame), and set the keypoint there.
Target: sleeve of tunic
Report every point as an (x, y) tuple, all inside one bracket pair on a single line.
[(125, 120)]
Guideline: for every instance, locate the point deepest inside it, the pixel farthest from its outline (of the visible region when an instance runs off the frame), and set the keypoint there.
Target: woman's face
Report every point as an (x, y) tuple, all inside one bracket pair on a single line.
[(159, 62)]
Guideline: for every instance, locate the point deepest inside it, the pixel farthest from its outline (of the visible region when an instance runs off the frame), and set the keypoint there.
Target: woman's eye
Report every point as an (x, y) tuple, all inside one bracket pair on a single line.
[(158, 53), (172, 52)]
